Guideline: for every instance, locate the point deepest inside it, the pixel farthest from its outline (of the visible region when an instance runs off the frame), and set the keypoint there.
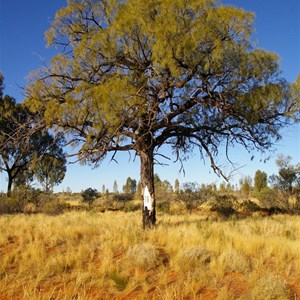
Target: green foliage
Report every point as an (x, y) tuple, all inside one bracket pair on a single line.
[(164, 206), (115, 187), (260, 181), (130, 186), (135, 75), (163, 189), (130, 206), (249, 206), (126, 67), (8, 205), (50, 169), (246, 185), (190, 196), (19, 200), (122, 197), (288, 177), (224, 205), (176, 186), (89, 195), (138, 194), (268, 197), (27, 149), (53, 207)]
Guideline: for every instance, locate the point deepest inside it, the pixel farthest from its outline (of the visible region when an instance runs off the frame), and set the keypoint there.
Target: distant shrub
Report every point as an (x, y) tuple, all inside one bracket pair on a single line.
[(30, 208), (249, 206), (122, 197), (53, 207), (19, 200), (163, 206), (191, 196), (130, 206), (8, 205), (224, 205), (89, 195), (267, 197)]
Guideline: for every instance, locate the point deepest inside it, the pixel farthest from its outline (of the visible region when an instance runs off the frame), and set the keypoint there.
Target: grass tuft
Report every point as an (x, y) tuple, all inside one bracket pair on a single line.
[(192, 258), (270, 287), (233, 261), (144, 256)]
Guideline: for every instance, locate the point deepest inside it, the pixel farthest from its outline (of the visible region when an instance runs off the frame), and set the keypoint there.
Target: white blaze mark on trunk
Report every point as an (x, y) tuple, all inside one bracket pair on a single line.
[(147, 198)]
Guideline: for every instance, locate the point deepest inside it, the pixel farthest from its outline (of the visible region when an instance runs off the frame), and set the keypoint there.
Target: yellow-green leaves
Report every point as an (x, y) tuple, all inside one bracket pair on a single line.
[(135, 74)]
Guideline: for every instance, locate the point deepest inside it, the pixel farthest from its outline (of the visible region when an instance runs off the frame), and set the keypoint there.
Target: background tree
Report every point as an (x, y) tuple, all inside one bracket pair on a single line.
[(130, 186), (23, 141), (50, 170), (190, 196), (115, 187), (163, 188), (138, 74), (222, 187), (176, 186), (246, 185), (260, 181), (288, 177), (139, 191), (89, 195)]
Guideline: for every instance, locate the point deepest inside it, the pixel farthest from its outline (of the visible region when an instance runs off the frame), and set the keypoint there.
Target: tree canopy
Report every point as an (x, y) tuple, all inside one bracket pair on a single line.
[(288, 178), (260, 181), (25, 146), (135, 75)]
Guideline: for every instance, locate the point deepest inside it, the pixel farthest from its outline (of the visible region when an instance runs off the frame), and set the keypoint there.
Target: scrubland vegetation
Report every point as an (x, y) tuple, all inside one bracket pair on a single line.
[(131, 76), (91, 255)]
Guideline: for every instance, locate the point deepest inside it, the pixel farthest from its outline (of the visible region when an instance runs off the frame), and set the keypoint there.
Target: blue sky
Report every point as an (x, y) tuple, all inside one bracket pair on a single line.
[(22, 50)]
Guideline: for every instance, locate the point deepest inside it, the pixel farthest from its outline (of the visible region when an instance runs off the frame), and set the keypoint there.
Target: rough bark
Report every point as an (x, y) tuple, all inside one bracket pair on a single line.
[(147, 180)]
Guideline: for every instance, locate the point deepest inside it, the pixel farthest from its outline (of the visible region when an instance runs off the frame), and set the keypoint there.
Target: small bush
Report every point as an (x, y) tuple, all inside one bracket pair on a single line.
[(233, 261), (123, 197), (164, 206), (119, 280), (191, 196), (224, 205), (19, 199), (187, 260), (249, 206), (129, 207), (144, 256), (267, 197), (270, 287), (53, 207), (8, 205)]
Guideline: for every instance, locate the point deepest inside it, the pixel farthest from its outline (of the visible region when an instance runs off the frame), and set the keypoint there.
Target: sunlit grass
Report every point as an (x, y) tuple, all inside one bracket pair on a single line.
[(86, 255)]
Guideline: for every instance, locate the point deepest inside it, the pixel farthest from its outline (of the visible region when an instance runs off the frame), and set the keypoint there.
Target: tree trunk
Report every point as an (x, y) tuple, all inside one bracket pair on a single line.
[(148, 194), (9, 184)]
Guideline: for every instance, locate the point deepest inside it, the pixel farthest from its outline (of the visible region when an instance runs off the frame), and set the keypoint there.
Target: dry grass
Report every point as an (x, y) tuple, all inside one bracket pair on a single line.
[(85, 255)]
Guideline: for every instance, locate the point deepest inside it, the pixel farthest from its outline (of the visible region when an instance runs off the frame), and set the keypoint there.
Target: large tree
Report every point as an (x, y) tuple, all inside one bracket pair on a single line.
[(51, 168), (15, 148), (135, 74), (25, 145)]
